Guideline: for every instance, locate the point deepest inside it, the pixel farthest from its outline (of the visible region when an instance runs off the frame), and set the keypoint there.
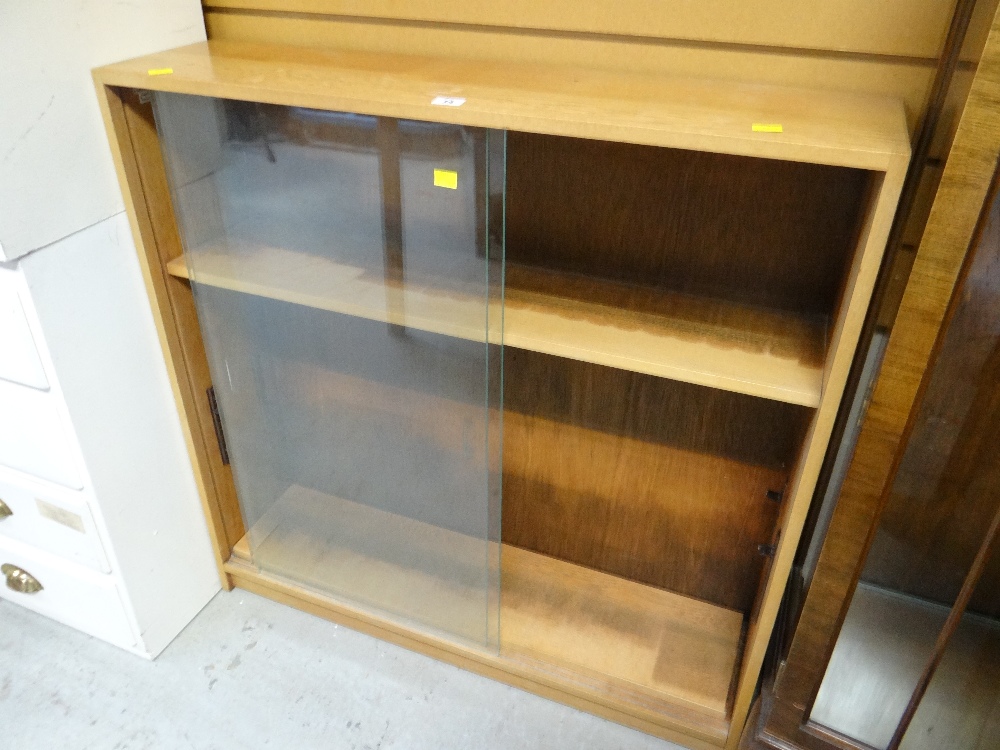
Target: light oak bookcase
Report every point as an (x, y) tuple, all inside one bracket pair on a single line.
[(674, 276)]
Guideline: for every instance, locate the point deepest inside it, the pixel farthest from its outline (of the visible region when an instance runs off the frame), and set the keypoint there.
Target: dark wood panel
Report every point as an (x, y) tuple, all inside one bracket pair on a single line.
[(755, 231), (948, 485), (650, 479), (954, 223), (657, 410)]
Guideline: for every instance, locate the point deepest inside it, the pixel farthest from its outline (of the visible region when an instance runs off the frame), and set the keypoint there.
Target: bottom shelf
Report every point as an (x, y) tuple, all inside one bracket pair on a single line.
[(641, 644), (628, 636)]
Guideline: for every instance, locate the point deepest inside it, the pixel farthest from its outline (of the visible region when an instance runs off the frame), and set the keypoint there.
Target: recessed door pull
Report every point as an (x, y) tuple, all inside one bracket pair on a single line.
[(213, 406)]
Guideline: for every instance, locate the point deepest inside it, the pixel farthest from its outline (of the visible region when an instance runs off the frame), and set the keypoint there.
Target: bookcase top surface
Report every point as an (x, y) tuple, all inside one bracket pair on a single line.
[(823, 127)]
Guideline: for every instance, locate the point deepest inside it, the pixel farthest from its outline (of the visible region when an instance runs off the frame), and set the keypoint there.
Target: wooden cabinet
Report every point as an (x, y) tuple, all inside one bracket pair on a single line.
[(528, 368)]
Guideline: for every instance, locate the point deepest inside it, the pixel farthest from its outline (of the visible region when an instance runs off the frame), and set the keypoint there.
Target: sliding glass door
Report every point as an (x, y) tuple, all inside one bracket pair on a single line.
[(348, 273)]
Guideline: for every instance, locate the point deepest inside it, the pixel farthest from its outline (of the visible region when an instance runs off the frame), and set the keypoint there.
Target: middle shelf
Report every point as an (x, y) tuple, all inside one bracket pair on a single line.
[(699, 340)]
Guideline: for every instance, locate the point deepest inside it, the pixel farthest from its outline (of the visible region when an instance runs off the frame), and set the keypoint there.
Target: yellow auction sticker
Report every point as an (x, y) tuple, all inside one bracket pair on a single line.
[(159, 71), (766, 127), (446, 178)]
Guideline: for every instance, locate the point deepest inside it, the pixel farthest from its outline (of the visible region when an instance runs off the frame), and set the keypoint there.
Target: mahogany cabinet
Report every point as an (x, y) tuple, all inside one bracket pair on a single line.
[(898, 641)]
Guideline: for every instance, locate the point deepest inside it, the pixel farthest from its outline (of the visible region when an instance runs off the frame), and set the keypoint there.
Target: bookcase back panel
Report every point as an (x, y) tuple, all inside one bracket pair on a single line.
[(779, 234), (647, 478)]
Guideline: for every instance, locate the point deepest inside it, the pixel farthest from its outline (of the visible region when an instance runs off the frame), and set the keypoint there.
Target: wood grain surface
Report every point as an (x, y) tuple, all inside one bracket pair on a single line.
[(632, 639), (672, 722), (865, 132), (764, 232), (849, 318), (704, 341), (946, 490), (955, 220), (657, 481)]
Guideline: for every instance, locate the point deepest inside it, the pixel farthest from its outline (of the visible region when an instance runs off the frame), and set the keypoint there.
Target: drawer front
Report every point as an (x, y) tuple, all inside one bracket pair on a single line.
[(57, 521), (73, 595), (19, 358), (35, 436)]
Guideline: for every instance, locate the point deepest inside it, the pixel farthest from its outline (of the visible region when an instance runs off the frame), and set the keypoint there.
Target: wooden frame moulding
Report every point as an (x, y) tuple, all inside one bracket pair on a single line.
[(818, 127), (956, 219), (136, 154)]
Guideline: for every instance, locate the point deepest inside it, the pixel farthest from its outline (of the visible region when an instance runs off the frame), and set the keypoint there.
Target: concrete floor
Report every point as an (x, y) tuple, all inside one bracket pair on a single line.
[(248, 673)]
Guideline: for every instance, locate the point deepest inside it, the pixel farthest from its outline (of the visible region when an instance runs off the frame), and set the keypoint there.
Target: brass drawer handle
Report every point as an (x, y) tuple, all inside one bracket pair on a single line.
[(5, 510), (19, 580)]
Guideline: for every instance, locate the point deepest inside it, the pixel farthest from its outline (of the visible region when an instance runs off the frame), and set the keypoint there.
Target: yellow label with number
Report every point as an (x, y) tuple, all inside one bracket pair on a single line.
[(159, 71), (766, 127), (446, 178)]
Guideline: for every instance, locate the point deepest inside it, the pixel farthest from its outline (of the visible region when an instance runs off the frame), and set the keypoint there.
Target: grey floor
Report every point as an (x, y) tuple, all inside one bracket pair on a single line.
[(249, 673)]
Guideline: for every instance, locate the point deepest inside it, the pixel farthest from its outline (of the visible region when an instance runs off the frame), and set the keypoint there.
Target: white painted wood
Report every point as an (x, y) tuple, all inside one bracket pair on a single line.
[(88, 295), (89, 321), (72, 594), (56, 175), (52, 519), (19, 360), (35, 436)]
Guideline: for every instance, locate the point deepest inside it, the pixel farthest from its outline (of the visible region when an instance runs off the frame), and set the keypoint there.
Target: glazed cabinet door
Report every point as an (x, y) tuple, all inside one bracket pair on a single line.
[(347, 272)]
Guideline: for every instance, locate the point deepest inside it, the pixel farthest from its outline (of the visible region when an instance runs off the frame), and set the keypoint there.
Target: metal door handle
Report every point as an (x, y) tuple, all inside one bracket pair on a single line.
[(20, 580)]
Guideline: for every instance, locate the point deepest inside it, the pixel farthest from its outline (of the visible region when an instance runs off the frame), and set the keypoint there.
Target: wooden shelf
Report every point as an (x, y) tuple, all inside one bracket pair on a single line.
[(634, 641), (625, 634), (692, 339), (823, 127), (681, 337)]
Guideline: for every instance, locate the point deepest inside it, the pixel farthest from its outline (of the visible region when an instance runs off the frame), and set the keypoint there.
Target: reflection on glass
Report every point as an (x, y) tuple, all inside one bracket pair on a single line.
[(883, 647), (347, 287), (961, 709), (942, 502)]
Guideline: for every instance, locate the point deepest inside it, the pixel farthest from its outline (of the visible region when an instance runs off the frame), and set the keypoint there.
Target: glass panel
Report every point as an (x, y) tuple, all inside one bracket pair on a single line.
[(348, 277), (961, 708), (942, 501)]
